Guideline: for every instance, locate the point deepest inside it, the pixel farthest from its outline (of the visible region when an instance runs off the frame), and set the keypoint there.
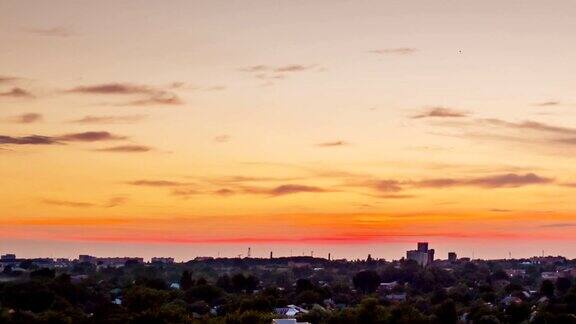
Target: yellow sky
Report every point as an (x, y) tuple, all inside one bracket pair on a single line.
[(229, 123)]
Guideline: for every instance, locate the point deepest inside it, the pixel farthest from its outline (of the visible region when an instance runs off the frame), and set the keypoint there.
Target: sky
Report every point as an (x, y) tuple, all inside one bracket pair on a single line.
[(189, 128)]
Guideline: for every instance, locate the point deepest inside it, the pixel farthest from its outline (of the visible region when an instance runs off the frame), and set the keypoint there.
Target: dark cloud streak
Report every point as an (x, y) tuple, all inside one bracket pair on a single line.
[(126, 149), (440, 112), (17, 92)]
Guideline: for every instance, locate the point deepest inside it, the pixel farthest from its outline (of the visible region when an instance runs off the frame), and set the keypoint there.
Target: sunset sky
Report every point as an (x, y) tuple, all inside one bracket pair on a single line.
[(187, 127)]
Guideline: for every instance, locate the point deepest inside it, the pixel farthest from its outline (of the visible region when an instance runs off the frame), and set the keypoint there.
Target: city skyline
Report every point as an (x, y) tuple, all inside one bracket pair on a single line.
[(205, 127)]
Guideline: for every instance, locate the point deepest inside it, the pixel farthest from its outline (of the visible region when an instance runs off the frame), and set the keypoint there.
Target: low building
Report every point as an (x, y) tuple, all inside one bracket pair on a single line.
[(290, 311), (287, 321), (548, 260), (8, 257), (162, 260), (114, 262), (84, 258), (387, 286), (515, 272), (398, 298), (551, 275)]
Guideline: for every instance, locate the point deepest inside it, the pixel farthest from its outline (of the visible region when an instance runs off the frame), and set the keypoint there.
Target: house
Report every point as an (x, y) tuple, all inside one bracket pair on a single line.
[(290, 310), (515, 272), (396, 297), (550, 275), (509, 300), (387, 286), (287, 321)]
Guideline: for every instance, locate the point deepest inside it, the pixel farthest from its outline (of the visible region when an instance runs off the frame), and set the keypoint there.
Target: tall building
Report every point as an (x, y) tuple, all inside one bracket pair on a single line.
[(452, 257), (430, 256), (423, 246), (423, 256)]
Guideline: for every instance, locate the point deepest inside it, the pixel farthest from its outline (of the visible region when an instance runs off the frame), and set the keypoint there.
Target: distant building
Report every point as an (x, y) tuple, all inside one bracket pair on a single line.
[(430, 256), (547, 260), (203, 258), (118, 262), (452, 257), (109, 261), (423, 256), (420, 257), (86, 258), (396, 297), (515, 272), (8, 257), (551, 275), (423, 246), (287, 321), (162, 260), (387, 286), (290, 311)]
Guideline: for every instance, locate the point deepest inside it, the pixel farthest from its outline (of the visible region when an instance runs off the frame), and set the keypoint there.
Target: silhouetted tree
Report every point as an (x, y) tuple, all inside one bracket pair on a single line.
[(563, 285), (547, 288), (186, 281), (446, 312), (366, 281)]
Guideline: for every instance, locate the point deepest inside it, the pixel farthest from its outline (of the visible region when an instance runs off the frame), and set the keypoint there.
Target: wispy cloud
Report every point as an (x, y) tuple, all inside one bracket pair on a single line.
[(255, 68), (395, 196), (287, 189), (28, 140), (530, 125), (109, 119), (68, 203), (395, 51), (90, 137), (17, 92), (115, 89), (391, 188), (222, 138), (235, 180), (272, 73), (293, 68), (510, 180), (278, 69), (164, 99), (440, 112), (150, 95), (26, 118), (126, 149), (186, 192), (8, 79), (111, 203), (333, 144), (547, 136), (51, 32), (185, 86), (115, 202), (558, 225), (550, 103), (72, 137), (158, 183), (230, 186), (384, 186), (224, 192)]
